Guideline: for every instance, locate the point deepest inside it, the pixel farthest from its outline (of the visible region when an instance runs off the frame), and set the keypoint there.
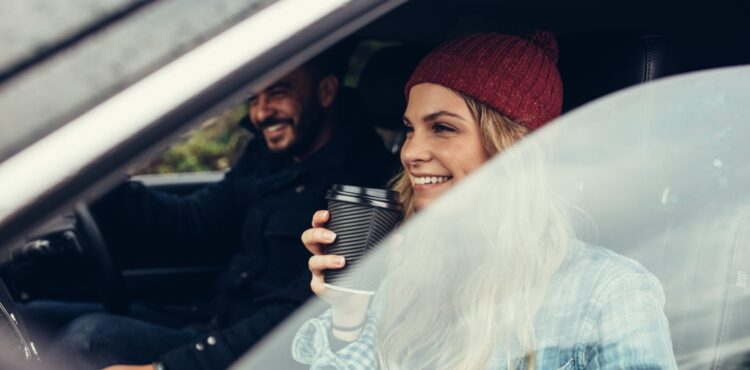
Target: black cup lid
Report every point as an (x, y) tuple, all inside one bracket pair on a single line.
[(367, 196)]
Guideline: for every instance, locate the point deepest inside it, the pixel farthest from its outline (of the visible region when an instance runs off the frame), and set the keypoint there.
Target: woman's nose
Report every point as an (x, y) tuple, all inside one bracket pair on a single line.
[(416, 149)]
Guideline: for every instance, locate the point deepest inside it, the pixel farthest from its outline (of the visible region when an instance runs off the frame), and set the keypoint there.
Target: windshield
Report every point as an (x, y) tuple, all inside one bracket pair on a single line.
[(621, 226)]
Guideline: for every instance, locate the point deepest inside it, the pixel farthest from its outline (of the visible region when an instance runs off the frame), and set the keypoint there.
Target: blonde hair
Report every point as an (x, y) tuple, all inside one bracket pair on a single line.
[(482, 295)]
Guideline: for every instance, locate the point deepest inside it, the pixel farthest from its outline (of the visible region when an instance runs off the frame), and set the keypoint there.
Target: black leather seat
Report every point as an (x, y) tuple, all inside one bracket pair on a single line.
[(381, 85), (594, 64)]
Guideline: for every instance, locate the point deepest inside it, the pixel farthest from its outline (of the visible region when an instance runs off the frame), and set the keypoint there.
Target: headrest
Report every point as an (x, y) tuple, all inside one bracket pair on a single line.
[(595, 64), (381, 83)]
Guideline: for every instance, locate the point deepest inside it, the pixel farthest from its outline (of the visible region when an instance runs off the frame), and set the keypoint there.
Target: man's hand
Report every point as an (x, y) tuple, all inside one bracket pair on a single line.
[(130, 367)]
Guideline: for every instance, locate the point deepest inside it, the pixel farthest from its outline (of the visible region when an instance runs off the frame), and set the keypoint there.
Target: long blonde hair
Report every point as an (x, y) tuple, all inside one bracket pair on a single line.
[(454, 311)]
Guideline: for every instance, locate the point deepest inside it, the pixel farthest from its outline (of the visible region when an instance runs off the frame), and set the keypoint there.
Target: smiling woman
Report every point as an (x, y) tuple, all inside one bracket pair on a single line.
[(493, 303), (454, 130), (443, 144), (457, 139)]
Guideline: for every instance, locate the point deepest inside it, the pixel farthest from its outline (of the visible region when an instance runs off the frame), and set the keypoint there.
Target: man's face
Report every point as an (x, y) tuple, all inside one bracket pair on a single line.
[(287, 112)]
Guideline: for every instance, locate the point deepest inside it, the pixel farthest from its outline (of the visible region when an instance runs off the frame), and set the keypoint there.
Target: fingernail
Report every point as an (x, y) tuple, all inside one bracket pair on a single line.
[(339, 261), (329, 235)]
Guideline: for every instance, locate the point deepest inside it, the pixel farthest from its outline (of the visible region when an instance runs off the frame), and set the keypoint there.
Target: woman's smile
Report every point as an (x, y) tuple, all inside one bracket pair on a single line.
[(424, 182)]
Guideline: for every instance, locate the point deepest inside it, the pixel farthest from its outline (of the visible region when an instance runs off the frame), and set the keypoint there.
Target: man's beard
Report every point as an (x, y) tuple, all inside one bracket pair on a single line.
[(305, 131), (270, 121)]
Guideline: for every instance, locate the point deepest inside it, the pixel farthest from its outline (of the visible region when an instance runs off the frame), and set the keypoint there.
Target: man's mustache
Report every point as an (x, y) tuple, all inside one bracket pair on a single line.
[(273, 121)]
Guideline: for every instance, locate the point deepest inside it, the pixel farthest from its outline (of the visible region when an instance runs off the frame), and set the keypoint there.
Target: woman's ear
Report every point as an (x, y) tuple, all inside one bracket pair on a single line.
[(328, 87)]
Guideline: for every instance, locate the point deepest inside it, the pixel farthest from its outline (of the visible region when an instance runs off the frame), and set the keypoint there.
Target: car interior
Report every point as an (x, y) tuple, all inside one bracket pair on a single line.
[(604, 47)]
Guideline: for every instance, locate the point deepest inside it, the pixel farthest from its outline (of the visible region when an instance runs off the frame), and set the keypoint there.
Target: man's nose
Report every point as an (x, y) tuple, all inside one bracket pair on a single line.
[(416, 150), (261, 109)]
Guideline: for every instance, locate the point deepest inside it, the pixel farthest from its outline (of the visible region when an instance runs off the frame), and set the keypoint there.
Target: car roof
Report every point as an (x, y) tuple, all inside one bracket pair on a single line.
[(705, 34), (72, 61)]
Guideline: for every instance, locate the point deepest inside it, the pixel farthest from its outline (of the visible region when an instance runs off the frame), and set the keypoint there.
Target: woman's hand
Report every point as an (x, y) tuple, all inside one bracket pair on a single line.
[(349, 309), (315, 240)]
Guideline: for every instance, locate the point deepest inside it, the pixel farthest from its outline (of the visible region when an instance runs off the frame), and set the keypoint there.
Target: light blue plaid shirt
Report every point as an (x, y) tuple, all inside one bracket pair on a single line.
[(602, 311)]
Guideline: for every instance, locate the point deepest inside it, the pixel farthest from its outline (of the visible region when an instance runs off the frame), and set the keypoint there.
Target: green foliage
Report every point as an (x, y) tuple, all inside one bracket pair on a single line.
[(214, 146)]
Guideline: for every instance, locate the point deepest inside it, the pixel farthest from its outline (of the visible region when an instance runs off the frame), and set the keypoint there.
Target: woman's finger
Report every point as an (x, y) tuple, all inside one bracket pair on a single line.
[(319, 263), (315, 238), (325, 262), (317, 285), (320, 218), (316, 273)]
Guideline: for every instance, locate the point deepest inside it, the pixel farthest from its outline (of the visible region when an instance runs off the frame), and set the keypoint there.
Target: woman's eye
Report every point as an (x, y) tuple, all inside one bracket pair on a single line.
[(408, 127), (440, 127)]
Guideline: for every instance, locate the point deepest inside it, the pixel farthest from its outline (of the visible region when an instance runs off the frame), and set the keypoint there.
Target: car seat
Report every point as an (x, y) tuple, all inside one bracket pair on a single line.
[(594, 64), (381, 85)]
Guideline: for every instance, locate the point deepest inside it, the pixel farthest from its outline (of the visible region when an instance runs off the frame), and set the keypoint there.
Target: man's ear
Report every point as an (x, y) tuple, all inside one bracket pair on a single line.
[(328, 88)]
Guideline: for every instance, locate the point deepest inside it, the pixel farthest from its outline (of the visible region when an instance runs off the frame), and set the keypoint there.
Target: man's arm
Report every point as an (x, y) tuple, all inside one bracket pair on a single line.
[(132, 214), (135, 215)]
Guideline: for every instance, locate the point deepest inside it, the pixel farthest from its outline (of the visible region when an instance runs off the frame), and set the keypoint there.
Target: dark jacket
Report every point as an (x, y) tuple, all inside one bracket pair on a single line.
[(264, 204)]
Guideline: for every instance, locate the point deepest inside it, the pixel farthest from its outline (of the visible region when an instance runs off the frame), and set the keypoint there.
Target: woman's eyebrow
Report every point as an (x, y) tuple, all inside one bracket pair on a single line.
[(436, 115)]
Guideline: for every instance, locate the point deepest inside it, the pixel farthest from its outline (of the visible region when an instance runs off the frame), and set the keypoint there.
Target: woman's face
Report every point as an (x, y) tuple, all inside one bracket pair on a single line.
[(443, 142)]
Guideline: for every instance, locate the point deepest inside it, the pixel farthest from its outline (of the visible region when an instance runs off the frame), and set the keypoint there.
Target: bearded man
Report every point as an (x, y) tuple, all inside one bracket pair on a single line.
[(307, 137)]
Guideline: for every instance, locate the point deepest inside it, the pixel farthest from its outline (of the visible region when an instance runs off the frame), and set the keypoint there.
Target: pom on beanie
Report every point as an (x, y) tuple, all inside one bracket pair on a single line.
[(515, 76)]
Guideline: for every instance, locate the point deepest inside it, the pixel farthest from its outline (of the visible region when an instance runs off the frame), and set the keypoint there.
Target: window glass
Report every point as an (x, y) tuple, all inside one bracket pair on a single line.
[(215, 145), (619, 231)]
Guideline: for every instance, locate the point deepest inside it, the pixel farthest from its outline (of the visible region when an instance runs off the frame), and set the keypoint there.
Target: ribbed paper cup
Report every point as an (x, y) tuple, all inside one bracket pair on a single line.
[(361, 218)]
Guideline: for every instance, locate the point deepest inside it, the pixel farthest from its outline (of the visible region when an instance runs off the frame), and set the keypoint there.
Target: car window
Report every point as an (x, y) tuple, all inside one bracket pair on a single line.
[(218, 142), (645, 189), (127, 87), (214, 146)]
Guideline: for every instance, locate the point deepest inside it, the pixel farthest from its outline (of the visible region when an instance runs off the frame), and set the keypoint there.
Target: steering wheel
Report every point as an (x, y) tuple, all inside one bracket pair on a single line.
[(111, 284)]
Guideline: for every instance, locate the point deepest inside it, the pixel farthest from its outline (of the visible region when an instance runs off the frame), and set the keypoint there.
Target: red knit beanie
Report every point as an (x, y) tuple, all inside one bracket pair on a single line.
[(515, 76)]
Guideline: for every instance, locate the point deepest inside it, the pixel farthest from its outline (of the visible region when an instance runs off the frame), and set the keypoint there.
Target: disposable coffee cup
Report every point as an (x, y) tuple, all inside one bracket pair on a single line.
[(361, 218)]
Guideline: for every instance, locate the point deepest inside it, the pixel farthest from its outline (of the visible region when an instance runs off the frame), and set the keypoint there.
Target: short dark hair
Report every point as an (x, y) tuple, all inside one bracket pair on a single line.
[(334, 60)]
